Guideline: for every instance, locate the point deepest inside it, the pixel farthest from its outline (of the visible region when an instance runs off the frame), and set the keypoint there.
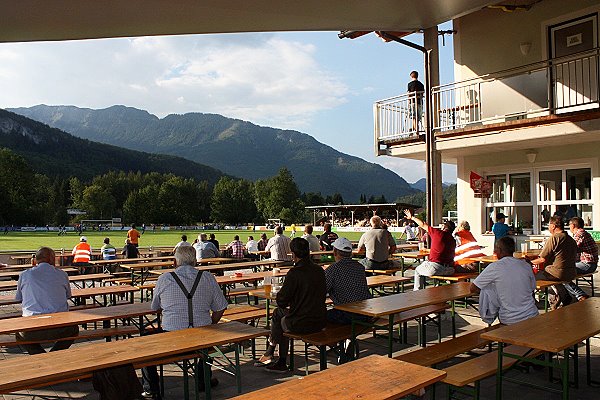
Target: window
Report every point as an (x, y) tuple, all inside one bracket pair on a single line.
[(511, 195), (529, 199)]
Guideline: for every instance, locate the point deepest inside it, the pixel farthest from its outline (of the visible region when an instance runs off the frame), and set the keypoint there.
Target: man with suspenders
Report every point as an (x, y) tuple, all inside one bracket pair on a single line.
[(186, 297)]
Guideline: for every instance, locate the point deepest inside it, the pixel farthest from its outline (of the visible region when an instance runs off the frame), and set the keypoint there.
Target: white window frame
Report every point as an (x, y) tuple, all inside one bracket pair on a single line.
[(535, 203)]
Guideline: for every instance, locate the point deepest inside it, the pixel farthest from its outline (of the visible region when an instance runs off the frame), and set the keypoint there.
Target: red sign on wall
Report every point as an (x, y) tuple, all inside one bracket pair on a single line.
[(481, 187)]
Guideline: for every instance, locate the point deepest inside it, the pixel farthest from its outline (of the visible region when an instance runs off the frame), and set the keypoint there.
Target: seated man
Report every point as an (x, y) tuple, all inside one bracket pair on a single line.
[(441, 251), (44, 289), (236, 247), (279, 246), (300, 305), (378, 244), (467, 247), (507, 287), (171, 296), (130, 250), (346, 281), (109, 252), (558, 256), (205, 248), (587, 255)]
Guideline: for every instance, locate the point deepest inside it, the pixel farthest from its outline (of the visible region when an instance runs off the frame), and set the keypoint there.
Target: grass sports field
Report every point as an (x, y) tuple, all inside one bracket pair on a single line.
[(34, 240)]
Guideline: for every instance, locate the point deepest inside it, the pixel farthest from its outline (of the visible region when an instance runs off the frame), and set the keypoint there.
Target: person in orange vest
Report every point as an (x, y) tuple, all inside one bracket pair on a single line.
[(133, 235), (82, 254)]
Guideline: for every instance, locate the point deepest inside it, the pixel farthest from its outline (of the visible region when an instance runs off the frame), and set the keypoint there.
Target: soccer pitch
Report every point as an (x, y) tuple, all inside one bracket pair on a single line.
[(20, 241)]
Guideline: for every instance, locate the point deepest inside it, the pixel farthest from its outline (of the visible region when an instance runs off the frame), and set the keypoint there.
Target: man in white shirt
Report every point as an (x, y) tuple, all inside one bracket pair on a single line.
[(279, 246), (506, 287), (183, 242), (313, 241)]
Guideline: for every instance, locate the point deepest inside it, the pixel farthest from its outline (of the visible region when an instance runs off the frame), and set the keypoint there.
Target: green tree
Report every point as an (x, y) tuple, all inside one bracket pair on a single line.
[(179, 200), (141, 205), (98, 202), (232, 201), (275, 194)]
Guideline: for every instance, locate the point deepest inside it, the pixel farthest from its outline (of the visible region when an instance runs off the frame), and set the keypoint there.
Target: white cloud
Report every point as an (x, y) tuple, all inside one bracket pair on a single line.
[(413, 170), (258, 77)]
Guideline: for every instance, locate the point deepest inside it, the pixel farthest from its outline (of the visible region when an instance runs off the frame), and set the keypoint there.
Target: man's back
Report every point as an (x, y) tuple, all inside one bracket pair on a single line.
[(304, 291), (346, 281), (133, 235), (513, 282), (327, 238), (313, 242), (279, 245), (560, 252), (205, 250), (377, 243), (43, 289), (169, 297)]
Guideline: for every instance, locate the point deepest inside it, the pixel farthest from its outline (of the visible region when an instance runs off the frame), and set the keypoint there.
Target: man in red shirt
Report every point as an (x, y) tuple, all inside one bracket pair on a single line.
[(441, 251)]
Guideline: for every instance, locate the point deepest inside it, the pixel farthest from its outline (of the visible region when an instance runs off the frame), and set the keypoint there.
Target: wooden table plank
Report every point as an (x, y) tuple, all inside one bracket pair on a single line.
[(369, 378), (553, 331), (395, 303), (66, 318), (20, 373)]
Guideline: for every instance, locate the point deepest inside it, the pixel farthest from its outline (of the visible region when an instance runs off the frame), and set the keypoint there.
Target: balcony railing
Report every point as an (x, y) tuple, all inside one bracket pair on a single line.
[(555, 86), (399, 117)]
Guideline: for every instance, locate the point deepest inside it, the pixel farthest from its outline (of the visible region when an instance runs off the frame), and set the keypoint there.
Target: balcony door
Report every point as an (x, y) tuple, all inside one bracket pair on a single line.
[(574, 69)]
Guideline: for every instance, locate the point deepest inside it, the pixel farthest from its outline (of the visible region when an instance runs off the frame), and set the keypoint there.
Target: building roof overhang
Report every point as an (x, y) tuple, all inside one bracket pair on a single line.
[(47, 20)]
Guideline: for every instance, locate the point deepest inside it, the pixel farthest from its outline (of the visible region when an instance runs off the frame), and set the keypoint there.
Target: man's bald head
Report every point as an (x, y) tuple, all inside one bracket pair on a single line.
[(45, 254)]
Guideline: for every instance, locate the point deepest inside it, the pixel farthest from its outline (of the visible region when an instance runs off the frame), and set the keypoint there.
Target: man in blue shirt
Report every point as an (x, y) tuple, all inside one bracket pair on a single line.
[(205, 248), (500, 229), (44, 289)]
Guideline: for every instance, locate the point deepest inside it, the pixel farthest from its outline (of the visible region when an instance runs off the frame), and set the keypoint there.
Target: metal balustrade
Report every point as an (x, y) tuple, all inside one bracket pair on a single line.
[(554, 86)]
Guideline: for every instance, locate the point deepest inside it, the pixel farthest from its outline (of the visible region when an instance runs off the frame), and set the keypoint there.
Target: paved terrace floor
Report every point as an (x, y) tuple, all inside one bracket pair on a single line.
[(254, 378)]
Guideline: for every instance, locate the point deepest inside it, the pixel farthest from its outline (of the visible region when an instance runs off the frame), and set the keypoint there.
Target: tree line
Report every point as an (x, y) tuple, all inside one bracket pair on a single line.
[(30, 198)]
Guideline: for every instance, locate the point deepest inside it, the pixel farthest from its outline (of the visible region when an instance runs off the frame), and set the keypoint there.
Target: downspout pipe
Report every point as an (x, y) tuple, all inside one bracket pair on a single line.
[(429, 139)]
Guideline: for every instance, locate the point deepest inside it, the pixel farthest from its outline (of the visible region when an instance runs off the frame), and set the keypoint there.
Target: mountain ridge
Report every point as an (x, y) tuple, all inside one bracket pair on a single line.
[(56, 153), (236, 147)]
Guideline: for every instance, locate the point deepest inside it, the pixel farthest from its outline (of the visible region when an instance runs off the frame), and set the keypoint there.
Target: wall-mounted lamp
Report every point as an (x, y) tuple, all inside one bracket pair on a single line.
[(525, 47), (531, 156)]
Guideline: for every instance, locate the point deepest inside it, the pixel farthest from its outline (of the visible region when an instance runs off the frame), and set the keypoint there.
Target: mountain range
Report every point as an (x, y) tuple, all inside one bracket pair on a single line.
[(55, 153), (238, 148)]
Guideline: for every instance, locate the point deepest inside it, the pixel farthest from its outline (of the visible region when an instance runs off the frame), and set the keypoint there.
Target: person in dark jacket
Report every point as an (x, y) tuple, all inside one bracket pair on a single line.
[(130, 250), (300, 305)]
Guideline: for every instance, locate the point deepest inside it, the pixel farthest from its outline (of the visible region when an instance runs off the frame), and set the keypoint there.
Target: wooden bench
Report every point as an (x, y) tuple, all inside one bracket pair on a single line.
[(460, 277), (465, 376), (444, 351), (332, 335), (421, 315), (587, 278)]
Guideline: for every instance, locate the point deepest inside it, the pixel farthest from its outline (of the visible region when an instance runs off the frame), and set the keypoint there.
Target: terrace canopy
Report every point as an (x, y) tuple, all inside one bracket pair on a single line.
[(375, 209)]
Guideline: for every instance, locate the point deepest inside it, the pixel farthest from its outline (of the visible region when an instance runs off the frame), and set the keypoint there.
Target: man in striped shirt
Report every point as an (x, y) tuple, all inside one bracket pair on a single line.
[(279, 246), (236, 247), (587, 255)]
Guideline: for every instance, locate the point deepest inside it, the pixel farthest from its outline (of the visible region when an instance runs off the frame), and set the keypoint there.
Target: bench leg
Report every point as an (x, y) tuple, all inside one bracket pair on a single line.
[(291, 352), (323, 358), (306, 358), (499, 372)]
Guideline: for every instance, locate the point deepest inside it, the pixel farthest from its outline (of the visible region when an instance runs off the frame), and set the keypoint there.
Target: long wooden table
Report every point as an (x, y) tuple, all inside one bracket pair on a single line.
[(21, 373), (373, 378), (388, 306), (81, 293), (76, 317), (552, 332)]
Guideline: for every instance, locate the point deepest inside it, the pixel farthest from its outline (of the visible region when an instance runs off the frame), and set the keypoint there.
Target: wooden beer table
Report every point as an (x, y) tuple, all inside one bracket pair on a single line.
[(20, 373), (388, 306), (373, 378), (553, 332), (76, 317)]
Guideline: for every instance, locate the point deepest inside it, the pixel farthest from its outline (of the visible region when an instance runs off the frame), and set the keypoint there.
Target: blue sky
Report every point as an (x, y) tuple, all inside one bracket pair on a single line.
[(312, 82)]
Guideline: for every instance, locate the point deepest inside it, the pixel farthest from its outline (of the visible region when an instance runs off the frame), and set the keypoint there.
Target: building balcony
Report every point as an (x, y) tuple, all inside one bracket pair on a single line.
[(543, 93)]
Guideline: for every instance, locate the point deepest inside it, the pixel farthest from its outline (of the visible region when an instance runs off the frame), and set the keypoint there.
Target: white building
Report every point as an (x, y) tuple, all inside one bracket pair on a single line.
[(523, 113)]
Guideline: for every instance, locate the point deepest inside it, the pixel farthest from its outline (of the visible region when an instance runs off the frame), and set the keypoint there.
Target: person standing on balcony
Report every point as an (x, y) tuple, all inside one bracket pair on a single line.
[(415, 101)]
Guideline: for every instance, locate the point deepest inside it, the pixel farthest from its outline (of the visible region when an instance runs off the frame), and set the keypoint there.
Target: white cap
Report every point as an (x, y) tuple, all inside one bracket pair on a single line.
[(83, 239), (342, 244)]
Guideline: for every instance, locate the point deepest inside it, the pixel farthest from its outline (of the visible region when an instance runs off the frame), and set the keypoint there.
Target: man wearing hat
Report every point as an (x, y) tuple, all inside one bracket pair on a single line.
[(82, 253), (346, 281), (500, 229)]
